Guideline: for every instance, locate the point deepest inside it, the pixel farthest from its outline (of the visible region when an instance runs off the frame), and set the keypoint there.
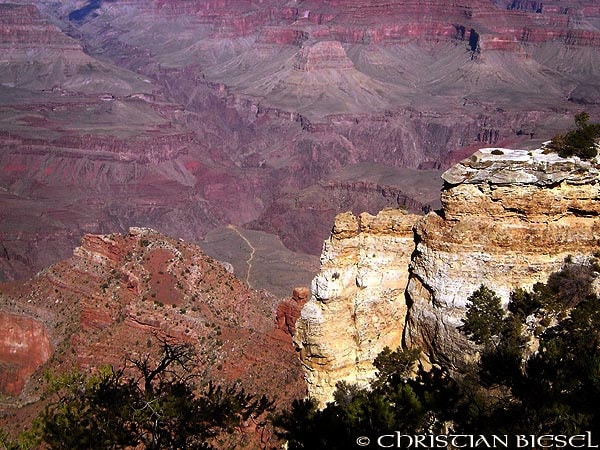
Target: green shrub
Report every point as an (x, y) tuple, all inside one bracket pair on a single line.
[(580, 142)]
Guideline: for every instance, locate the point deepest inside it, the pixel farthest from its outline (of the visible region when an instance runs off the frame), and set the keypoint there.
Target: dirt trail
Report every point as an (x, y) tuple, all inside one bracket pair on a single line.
[(252, 251)]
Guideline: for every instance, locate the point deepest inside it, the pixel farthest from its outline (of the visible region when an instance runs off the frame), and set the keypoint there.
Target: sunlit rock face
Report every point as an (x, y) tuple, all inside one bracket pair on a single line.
[(357, 306), (509, 219)]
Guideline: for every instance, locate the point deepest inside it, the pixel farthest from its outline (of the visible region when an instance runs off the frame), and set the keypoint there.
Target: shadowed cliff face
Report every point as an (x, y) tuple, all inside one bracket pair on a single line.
[(82, 13)]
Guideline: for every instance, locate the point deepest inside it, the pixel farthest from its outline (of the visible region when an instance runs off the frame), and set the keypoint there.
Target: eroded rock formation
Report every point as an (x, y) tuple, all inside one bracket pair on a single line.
[(120, 294), (509, 219), (357, 305), (288, 311), (24, 346), (185, 116)]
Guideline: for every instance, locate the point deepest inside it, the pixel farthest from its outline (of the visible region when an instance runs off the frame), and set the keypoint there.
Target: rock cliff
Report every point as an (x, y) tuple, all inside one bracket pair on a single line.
[(357, 305), (509, 218), (24, 346)]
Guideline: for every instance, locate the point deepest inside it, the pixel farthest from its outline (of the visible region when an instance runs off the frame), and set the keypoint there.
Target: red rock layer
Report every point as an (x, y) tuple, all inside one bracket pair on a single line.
[(379, 21), (24, 346), (119, 294), (23, 24), (288, 311)]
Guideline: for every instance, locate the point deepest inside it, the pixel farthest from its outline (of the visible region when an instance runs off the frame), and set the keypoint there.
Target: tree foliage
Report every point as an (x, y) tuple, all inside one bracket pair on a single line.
[(483, 322), (154, 405), (395, 401), (580, 141)]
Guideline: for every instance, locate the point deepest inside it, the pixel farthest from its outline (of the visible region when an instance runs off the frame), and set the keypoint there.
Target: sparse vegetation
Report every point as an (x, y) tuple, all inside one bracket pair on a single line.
[(156, 406), (579, 142)]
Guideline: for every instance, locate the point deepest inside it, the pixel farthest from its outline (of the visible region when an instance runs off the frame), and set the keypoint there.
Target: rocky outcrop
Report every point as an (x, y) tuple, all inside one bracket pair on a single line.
[(509, 219), (288, 311), (24, 346), (323, 55), (119, 294), (357, 305)]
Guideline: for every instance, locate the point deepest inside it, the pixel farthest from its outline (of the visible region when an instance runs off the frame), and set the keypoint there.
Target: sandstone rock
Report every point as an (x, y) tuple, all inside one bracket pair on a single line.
[(357, 306), (288, 311), (24, 345), (509, 219)]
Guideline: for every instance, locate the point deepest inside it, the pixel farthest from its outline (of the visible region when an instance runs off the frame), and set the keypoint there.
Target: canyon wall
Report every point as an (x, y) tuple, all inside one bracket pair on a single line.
[(186, 116), (357, 304), (509, 219)]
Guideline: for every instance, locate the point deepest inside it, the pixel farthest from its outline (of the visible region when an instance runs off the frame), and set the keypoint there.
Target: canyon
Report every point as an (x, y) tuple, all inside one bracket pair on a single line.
[(119, 297), (508, 219), (273, 116), (196, 154)]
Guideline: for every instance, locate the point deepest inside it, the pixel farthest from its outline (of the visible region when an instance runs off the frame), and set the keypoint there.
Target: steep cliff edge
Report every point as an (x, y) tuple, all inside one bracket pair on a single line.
[(509, 219), (357, 306)]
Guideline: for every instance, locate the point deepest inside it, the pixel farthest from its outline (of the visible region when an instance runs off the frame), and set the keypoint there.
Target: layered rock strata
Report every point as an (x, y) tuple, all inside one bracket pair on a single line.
[(24, 345), (119, 295), (197, 114), (323, 55), (510, 218), (357, 304)]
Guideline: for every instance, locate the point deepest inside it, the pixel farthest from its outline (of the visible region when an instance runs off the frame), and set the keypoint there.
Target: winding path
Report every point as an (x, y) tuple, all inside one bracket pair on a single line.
[(252, 251)]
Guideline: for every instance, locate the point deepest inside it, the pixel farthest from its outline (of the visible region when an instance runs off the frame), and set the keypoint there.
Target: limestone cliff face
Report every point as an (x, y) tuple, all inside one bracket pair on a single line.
[(509, 219), (357, 306)]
